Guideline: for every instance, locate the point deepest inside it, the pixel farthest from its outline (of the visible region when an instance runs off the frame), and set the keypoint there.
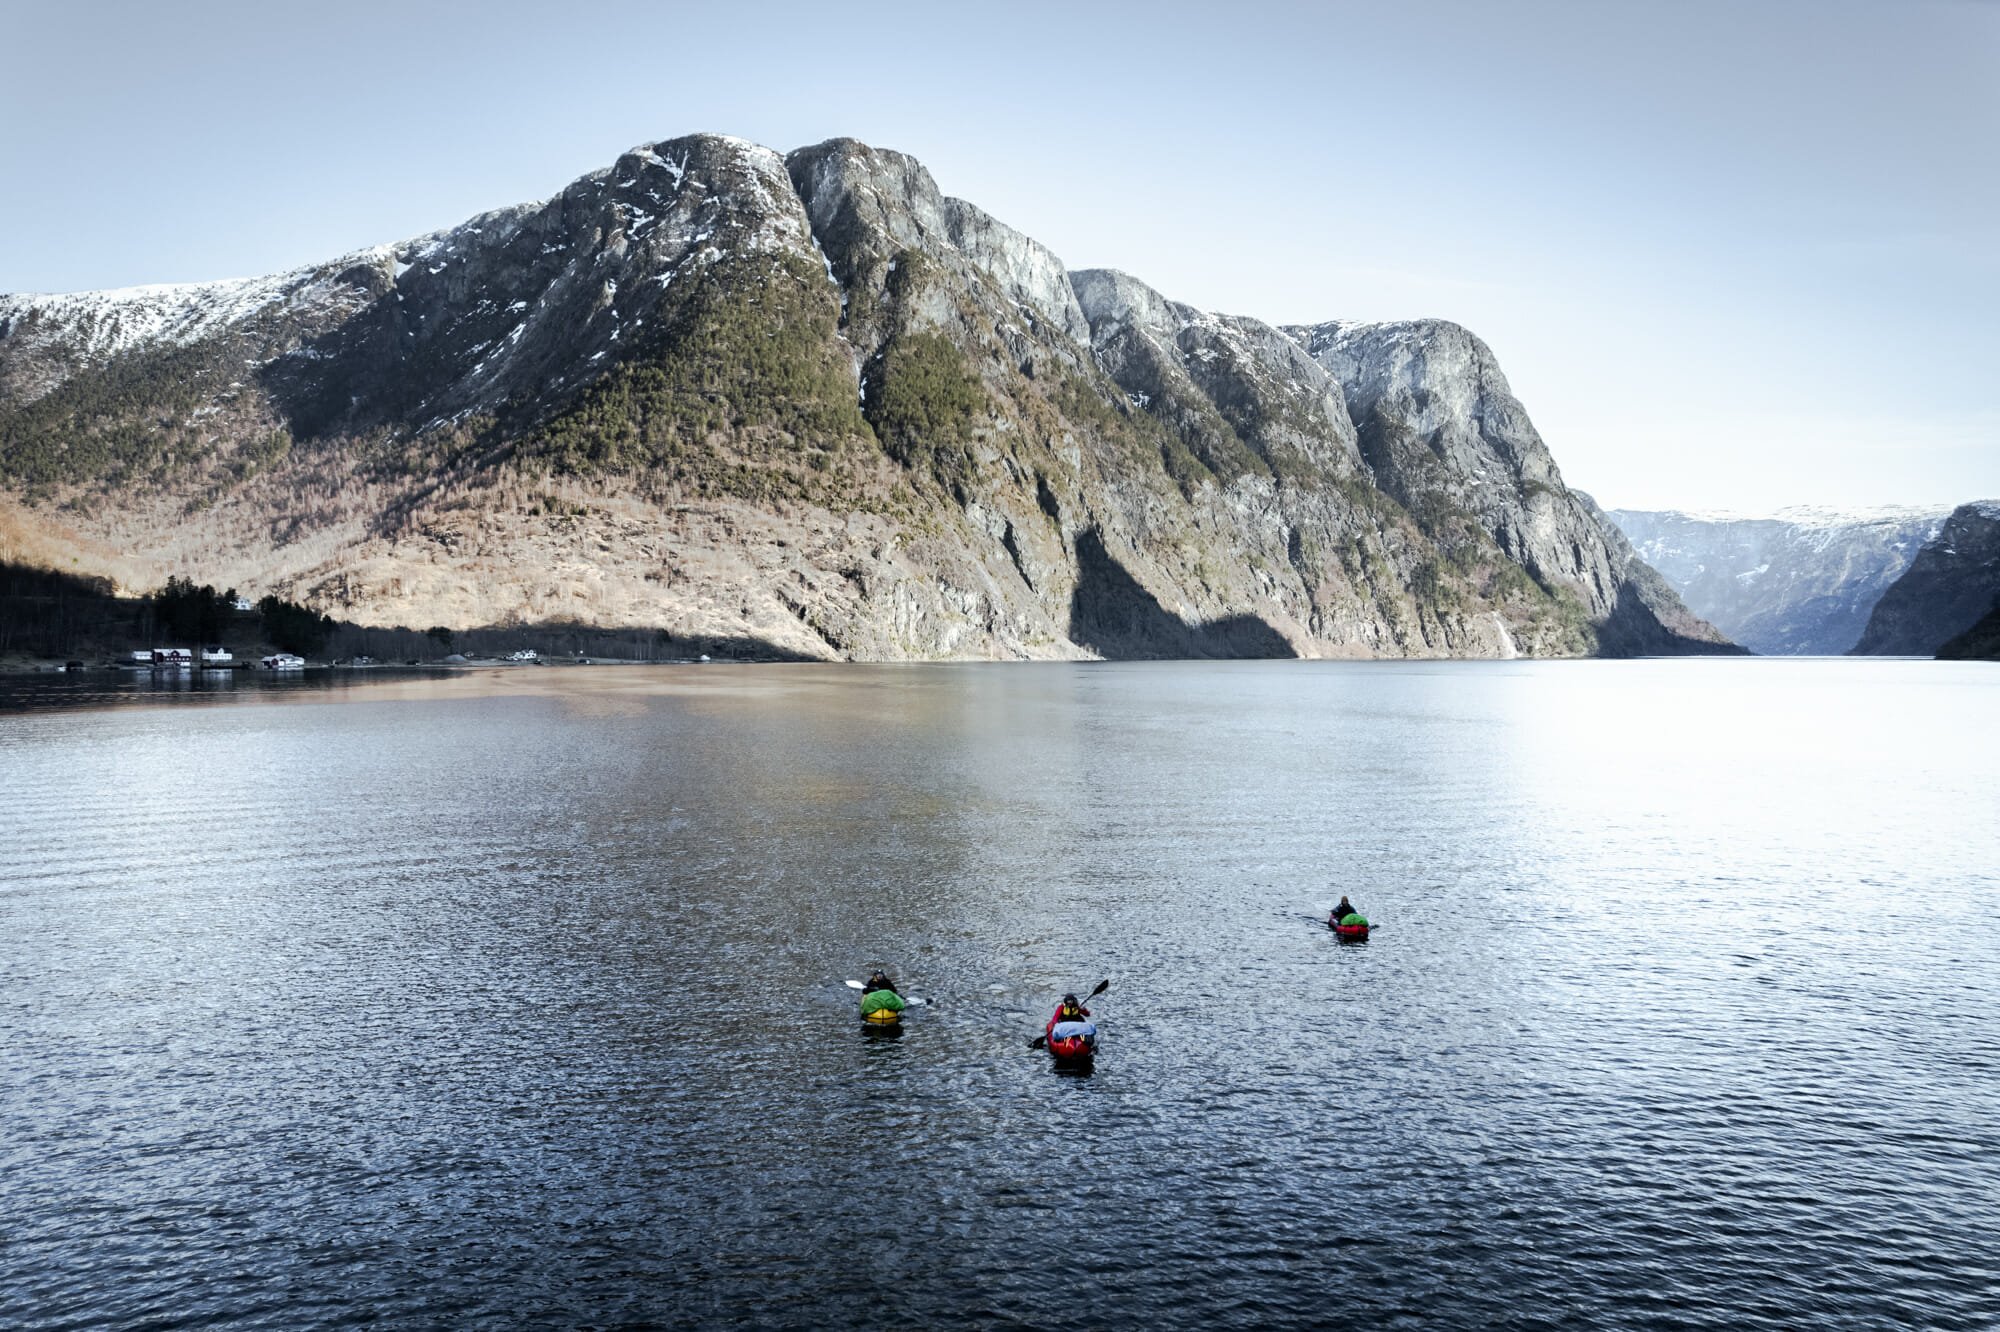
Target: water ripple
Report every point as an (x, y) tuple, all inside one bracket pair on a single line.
[(517, 1002)]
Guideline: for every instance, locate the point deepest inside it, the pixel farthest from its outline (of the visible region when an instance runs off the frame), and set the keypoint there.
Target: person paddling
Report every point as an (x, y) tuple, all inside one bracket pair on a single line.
[(1078, 1037), (1342, 912), (880, 1000)]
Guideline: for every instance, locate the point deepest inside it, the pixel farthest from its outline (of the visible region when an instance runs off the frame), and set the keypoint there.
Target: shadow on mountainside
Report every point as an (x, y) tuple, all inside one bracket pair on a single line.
[(1115, 617), (1651, 622), (554, 641)]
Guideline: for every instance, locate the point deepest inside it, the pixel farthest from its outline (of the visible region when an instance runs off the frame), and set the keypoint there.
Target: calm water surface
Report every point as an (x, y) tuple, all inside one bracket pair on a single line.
[(515, 1001)]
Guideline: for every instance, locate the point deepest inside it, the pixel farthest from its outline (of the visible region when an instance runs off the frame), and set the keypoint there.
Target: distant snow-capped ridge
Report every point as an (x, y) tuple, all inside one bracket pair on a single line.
[(1801, 580), (1810, 515), (107, 323)]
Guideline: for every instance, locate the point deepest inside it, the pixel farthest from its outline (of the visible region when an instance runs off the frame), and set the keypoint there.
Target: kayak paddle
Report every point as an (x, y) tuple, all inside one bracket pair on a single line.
[(907, 998)]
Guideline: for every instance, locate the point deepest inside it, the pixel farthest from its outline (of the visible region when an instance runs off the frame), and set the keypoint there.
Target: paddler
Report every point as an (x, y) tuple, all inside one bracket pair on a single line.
[(1069, 1010), (1342, 912), (880, 1001)]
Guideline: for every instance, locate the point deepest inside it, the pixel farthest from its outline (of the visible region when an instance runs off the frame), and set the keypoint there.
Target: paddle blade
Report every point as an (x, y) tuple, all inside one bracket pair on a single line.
[(1038, 1042), (856, 985), (1102, 986)]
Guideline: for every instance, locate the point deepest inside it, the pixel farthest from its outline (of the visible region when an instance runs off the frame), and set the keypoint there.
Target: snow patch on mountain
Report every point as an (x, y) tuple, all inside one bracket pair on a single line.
[(98, 325)]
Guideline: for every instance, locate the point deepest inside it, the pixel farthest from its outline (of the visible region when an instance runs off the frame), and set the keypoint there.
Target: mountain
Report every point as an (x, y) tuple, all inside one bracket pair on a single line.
[(804, 405), (1801, 581), (1950, 585), (1979, 643)]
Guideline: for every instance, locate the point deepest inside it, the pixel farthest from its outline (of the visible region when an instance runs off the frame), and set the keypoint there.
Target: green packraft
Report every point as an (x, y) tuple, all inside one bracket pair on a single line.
[(1354, 918), (881, 1001)]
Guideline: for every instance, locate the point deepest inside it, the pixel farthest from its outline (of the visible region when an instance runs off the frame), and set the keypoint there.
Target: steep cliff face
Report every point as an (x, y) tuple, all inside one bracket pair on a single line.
[(1979, 643), (1799, 582), (1437, 423), (1245, 399), (812, 403), (1949, 587), (1441, 431)]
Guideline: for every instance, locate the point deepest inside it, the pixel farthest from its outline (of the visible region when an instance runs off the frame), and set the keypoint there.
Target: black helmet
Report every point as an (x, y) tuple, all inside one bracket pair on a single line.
[(1069, 1001)]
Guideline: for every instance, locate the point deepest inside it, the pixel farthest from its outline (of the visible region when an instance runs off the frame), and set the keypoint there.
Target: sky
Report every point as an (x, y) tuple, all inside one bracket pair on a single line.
[(1730, 255)]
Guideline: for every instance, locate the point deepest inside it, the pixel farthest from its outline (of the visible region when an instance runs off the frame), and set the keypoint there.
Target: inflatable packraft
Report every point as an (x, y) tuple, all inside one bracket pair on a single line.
[(882, 1006), (1072, 1040)]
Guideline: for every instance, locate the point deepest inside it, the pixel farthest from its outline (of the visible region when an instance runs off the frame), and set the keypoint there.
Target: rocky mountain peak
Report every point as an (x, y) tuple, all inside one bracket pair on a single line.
[(524, 305), (1279, 410), (869, 205), (967, 449), (1439, 426)]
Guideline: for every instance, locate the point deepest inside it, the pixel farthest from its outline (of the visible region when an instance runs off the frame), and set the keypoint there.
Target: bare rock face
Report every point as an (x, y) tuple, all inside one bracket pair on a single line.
[(1247, 397), (1949, 587), (1439, 426), (812, 403), (1441, 431), (869, 205)]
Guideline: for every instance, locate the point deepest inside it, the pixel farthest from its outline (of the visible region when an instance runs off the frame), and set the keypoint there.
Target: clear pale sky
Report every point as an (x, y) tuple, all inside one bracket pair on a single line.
[(1733, 255)]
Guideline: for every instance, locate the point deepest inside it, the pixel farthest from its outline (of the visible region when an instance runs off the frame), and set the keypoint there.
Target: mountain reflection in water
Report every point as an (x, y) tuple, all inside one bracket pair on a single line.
[(517, 999)]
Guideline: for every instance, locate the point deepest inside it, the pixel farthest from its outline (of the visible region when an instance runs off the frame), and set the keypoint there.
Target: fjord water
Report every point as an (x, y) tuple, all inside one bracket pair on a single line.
[(516, 1000)]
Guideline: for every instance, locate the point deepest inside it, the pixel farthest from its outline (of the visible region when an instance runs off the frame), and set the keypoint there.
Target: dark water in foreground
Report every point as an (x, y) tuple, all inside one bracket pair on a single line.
[(516, 1002)]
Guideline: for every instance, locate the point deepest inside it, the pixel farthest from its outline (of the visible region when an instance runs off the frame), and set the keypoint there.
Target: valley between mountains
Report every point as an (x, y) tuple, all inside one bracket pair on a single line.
[(808, 406)]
